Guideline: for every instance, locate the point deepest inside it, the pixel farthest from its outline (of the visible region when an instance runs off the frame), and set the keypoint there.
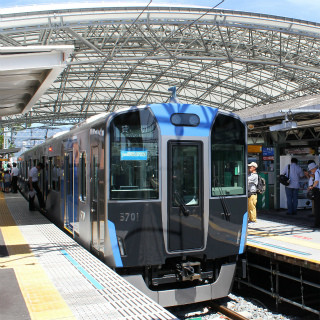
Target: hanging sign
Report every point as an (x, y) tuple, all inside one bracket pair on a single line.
[(267, 153), (254, 148)]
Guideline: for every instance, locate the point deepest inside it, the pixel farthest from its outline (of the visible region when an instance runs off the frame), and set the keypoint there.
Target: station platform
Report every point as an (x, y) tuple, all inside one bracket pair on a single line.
[(289, 238), (45, 274)]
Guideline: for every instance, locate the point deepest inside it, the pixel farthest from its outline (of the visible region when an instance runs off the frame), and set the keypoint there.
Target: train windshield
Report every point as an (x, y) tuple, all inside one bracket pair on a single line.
[(134, 169), (228, 156)]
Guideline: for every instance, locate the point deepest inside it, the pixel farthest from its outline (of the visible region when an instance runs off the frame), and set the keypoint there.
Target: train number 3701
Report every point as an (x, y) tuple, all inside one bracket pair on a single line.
[(129, 217)]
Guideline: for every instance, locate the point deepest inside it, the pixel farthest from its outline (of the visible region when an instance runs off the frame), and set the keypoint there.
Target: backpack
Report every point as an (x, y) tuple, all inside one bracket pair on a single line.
[(261, 187)]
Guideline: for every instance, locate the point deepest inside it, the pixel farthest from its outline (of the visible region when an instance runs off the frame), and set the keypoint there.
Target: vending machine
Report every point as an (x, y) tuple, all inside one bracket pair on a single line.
[(303, 201)]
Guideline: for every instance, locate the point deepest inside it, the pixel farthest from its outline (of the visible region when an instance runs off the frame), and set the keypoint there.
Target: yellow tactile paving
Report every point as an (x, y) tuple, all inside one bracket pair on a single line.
[(42, 299)]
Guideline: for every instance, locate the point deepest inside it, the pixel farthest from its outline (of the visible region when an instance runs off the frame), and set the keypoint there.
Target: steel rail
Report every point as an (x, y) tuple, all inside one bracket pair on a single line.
[(226, 311)]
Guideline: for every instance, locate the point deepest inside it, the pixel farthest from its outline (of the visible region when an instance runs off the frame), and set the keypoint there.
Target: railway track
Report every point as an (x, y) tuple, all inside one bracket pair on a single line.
[(209, 310), (228, 313)]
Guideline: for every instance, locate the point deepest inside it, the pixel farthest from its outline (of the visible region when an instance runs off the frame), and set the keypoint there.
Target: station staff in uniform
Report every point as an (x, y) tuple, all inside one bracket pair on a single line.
[(33, 186), (252, 191), (312, 167)]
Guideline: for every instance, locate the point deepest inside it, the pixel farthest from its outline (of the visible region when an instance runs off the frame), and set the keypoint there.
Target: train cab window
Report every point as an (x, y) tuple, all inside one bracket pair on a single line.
[(134, 163), (83, 177), (228, 156)]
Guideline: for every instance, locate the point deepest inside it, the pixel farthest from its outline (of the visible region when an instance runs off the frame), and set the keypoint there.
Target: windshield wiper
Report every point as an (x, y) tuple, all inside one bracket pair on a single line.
[(181, 204), (226, 211)]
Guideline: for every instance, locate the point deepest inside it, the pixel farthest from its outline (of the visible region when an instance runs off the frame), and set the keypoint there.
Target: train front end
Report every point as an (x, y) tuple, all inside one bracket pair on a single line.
[(177, 204)]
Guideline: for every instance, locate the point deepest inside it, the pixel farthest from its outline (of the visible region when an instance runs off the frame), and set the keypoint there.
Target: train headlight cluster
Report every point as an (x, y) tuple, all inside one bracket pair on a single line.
[(185, 119)]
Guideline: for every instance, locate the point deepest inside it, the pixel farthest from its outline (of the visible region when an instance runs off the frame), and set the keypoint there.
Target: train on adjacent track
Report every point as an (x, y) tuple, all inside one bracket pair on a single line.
[(158, 192)]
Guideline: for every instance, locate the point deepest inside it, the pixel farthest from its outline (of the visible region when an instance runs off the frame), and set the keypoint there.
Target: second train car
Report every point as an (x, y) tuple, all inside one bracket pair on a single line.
[(158, 192)]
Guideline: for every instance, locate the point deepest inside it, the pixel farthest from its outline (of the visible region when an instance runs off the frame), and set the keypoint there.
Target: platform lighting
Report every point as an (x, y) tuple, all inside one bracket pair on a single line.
[(284, 126), (289, 124)]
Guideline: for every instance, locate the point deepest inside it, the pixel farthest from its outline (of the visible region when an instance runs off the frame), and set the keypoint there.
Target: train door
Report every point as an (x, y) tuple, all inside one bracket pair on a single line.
[(95, 232), (185, 196), (68, 178), (44, 180), (41, 181), (97, 188)]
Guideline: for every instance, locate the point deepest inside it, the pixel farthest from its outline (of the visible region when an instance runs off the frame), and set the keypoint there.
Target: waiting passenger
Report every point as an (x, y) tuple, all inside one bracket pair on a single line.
[(292, 190), (313, 168), (252, 191), (7, 181), (14, 175), (33, 186), (1, 179)]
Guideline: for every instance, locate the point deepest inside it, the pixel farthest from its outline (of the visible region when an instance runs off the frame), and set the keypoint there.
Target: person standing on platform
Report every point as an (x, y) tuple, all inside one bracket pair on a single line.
[(1, 179), (310, 177), (14, 178), (7, 181), (33, 187), (313, 168), (252, 191), (292, 190)]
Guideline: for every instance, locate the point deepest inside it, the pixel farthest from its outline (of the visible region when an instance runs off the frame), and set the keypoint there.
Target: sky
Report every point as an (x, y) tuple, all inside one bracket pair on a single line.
[(299, 9)]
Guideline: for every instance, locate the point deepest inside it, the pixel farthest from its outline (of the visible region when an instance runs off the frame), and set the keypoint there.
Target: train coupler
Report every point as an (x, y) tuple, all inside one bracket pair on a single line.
[(189, 271)]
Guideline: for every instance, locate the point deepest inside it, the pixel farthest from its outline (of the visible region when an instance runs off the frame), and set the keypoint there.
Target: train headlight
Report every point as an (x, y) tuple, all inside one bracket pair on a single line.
[(176, 119), (194, 120)]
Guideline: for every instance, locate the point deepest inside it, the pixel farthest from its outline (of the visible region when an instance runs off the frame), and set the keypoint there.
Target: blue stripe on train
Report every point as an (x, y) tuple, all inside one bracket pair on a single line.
[(114, 244), (243, 233)]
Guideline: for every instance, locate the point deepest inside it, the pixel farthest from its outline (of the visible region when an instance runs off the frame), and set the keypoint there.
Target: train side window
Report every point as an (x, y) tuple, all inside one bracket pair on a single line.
[(26, 170), (83, 176), (56, 172), (134, 162), (50, 174), (228, 156)]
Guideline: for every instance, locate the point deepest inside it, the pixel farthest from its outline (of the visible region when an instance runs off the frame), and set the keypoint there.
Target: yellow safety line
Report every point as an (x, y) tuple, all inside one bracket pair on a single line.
[(43, 300), (287, 239), (280, 251)]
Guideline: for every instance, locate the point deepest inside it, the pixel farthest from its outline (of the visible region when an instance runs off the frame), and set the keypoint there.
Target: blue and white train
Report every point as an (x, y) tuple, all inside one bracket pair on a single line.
[(158, 192)]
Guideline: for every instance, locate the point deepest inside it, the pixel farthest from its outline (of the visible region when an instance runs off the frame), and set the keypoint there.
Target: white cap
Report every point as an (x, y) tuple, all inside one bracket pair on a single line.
[(311, 166), (253, 164)]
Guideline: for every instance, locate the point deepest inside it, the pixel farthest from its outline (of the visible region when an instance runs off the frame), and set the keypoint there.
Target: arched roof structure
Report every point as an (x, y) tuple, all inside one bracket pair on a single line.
[(126, 56)]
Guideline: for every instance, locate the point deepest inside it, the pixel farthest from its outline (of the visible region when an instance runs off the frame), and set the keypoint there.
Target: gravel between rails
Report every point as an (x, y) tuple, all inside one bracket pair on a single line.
[(247, 307)]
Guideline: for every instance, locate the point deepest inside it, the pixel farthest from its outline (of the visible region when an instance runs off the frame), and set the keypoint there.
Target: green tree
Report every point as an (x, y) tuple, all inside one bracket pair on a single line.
[(1, 139)]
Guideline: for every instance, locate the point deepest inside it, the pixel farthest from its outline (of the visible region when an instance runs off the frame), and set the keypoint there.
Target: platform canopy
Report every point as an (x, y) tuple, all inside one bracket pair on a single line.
[(26, 73), (131, 55)]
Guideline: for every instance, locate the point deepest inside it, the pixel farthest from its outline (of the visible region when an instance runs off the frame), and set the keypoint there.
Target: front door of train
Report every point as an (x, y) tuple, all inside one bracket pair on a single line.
[(185, 195), (68, 178), (97, 188), (95, 231)]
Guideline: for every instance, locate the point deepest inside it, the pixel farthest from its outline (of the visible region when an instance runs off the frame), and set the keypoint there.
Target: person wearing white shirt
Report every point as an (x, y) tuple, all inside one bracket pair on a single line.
[(252, 191), (292, 190), (33, 187), (313, 168), (14, 178)]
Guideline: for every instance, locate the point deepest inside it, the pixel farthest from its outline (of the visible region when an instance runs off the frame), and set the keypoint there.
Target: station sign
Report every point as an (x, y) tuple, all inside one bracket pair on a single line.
[(267, 153), (254, 148), (299, 151)]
